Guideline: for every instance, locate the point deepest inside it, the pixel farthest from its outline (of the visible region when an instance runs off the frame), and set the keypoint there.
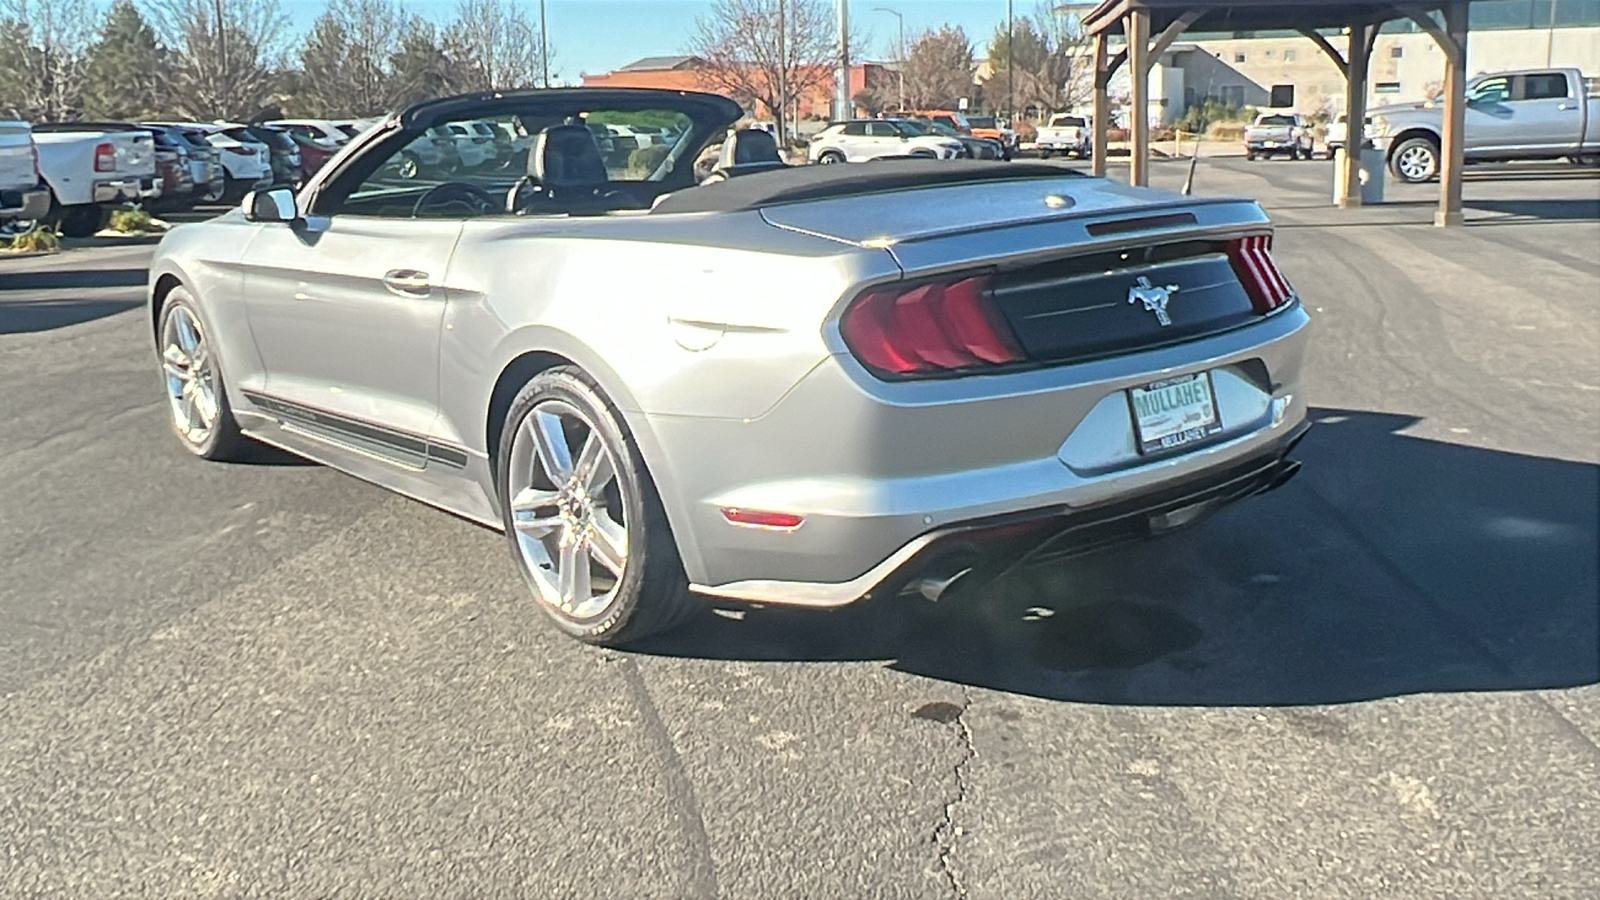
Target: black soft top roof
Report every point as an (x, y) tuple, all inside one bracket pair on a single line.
[(799, 183)]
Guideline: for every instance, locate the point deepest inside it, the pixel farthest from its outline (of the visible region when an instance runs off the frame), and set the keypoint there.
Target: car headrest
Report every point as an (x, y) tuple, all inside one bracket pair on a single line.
[(567, 156), (749, 145)]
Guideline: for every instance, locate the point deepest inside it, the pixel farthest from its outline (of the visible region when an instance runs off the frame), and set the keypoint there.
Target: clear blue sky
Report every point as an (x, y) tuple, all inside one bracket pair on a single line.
[(600, 35)]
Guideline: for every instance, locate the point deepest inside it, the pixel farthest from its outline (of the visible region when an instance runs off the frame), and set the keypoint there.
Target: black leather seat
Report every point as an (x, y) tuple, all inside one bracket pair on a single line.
[(745, 151), (566, 162)]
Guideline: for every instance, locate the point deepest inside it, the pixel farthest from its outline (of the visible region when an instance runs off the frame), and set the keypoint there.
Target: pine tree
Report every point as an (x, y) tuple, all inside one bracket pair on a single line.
[(125, 69)]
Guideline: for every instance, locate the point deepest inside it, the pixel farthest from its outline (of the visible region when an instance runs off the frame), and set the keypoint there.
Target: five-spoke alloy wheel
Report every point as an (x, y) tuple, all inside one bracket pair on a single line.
[(585, 523), (193, 378)]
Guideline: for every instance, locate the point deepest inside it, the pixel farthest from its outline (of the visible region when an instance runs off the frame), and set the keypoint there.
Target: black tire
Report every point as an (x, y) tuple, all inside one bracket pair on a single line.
[(1250, 155), (1045, 154), (1405, 155), (923, 154), (224, 441), (234, 190), (830, 157), (653, 595), (81, 220)]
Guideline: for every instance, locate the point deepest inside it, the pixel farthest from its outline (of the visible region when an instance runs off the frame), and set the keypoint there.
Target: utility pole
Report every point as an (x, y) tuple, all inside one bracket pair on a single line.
[(780, 110), (845, 107), (544, 46), (222, 59), (900, 62), (1011, 70)]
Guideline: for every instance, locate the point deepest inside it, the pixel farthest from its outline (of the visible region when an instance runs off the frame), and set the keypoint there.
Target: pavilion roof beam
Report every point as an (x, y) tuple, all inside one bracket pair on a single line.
[(1328, 48)]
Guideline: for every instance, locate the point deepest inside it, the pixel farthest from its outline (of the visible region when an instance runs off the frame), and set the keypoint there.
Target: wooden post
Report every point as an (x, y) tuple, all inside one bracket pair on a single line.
[(1355, 104), (1451, 159), (1102, 106), (1137, 28)]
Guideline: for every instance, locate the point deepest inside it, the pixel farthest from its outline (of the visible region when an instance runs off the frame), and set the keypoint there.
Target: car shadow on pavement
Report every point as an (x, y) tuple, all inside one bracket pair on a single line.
[(1393, 565), (25, 316), (62, 279), (1587, 208)]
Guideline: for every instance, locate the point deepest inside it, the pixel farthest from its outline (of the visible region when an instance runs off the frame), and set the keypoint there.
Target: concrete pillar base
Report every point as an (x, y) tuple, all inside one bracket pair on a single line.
[(1353, 202), (1442, 219)]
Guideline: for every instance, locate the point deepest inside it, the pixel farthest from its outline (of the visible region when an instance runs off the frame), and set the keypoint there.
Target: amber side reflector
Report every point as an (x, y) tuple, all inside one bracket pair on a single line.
[(761, 518)]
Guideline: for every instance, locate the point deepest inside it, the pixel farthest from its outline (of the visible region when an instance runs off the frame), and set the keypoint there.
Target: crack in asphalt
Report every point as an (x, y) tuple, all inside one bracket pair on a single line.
[(948, 831), (702, 876)]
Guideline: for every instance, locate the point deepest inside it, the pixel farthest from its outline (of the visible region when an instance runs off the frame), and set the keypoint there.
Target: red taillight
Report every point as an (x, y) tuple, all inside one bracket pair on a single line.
[(1252, 262), (105, 158), (930, 327), (762, 518)]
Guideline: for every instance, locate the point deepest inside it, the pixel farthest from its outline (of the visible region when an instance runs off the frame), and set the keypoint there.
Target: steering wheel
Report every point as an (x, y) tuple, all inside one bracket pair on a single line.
[(514, 195), (456, 190)]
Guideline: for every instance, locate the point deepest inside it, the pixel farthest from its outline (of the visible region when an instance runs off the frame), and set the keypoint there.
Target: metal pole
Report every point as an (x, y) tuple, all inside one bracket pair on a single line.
[(780, 110), (544, 46), (1011, 69), (843, 99)]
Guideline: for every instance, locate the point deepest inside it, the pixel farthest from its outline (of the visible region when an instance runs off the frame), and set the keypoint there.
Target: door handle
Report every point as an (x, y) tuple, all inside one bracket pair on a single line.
[(407, 282)]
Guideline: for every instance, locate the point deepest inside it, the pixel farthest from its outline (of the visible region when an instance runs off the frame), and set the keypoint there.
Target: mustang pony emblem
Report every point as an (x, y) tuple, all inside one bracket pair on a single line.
[(1154, 298)]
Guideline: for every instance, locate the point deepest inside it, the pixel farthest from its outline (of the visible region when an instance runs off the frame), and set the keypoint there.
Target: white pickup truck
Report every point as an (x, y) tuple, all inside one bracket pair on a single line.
[(1276, 131), (23, 197), (93, 166), (1065, 133), (1530, 114)]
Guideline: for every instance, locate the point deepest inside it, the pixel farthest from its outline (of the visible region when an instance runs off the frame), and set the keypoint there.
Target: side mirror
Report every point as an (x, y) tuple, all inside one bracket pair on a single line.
[(275, 205)]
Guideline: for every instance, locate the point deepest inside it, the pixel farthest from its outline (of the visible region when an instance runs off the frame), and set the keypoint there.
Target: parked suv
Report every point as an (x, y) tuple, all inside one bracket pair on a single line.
[(859, 140)]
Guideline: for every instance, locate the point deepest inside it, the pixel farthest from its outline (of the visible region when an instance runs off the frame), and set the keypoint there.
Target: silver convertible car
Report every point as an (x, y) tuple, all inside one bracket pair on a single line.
[(792, 385)]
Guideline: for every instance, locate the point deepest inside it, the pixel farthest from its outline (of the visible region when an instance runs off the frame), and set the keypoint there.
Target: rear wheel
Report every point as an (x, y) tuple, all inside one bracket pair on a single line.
[(1045, 154), (196, 399), (585, 523), (80, 220)]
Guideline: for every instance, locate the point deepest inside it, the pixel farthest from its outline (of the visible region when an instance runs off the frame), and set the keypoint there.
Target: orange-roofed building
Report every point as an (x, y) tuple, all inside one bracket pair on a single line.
[(687, 73)]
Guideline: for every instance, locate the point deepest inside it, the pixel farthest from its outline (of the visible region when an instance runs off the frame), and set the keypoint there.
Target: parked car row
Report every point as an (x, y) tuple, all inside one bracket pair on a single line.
[(860, 140)]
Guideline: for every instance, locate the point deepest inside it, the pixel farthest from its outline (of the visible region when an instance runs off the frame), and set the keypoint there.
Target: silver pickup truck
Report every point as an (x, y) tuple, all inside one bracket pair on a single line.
[(24, 198), (1532, 114)]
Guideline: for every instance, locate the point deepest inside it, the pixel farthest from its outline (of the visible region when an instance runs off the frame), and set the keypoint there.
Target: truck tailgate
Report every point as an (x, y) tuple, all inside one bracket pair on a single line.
[(16, 157)]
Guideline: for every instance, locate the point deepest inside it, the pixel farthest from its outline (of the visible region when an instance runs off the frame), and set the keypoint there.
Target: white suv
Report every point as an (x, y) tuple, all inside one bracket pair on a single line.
[(862, 139)]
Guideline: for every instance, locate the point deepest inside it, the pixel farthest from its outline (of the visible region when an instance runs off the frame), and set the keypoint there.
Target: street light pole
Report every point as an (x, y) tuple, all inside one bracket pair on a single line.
[(843, 99), (1011, 70), (900, 63), (544, 46)]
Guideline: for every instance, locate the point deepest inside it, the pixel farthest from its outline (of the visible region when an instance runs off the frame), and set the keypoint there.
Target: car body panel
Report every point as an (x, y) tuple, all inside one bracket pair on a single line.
[(23, 195)]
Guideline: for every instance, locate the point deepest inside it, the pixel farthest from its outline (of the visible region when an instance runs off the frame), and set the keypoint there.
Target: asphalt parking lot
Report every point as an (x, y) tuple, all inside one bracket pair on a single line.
[(1379, 681)]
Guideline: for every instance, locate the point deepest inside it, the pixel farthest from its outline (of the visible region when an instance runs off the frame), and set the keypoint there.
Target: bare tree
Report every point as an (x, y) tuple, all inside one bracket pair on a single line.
[(347, 60), (938, 69), (42, 57), (771, 52), (227, 54), (496, 43), (1044, 60)]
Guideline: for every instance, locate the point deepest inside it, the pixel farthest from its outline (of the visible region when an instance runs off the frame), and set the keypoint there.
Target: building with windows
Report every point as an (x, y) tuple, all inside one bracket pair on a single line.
[(1285, 69)]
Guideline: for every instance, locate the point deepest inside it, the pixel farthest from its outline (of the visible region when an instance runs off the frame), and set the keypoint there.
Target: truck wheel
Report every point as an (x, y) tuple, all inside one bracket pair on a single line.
[(1415, 160), (1250, 155), (1045, 154), (80, 220)]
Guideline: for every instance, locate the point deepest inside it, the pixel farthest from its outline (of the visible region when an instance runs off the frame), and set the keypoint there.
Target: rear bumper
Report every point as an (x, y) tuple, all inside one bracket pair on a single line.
[(129, 190), (879, 471), (29, 204), (1001, 542)]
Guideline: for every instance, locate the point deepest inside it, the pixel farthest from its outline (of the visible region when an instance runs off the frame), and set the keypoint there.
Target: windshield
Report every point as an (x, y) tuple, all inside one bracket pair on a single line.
[(915, 129), (981, 121), (349, 130)]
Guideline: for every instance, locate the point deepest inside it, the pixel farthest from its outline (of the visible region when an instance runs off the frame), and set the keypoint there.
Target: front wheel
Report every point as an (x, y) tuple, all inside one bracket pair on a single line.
[(585, 523), (830, 157), (1415, 160), (196, 398)]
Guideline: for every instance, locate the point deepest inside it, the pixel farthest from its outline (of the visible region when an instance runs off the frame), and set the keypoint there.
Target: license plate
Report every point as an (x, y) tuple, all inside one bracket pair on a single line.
[(1174, 412), (1269, 143)]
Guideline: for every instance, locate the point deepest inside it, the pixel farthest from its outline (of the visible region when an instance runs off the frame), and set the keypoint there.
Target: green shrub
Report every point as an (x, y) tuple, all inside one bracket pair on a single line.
[(130, 221), (37, 239), (646, 160)]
